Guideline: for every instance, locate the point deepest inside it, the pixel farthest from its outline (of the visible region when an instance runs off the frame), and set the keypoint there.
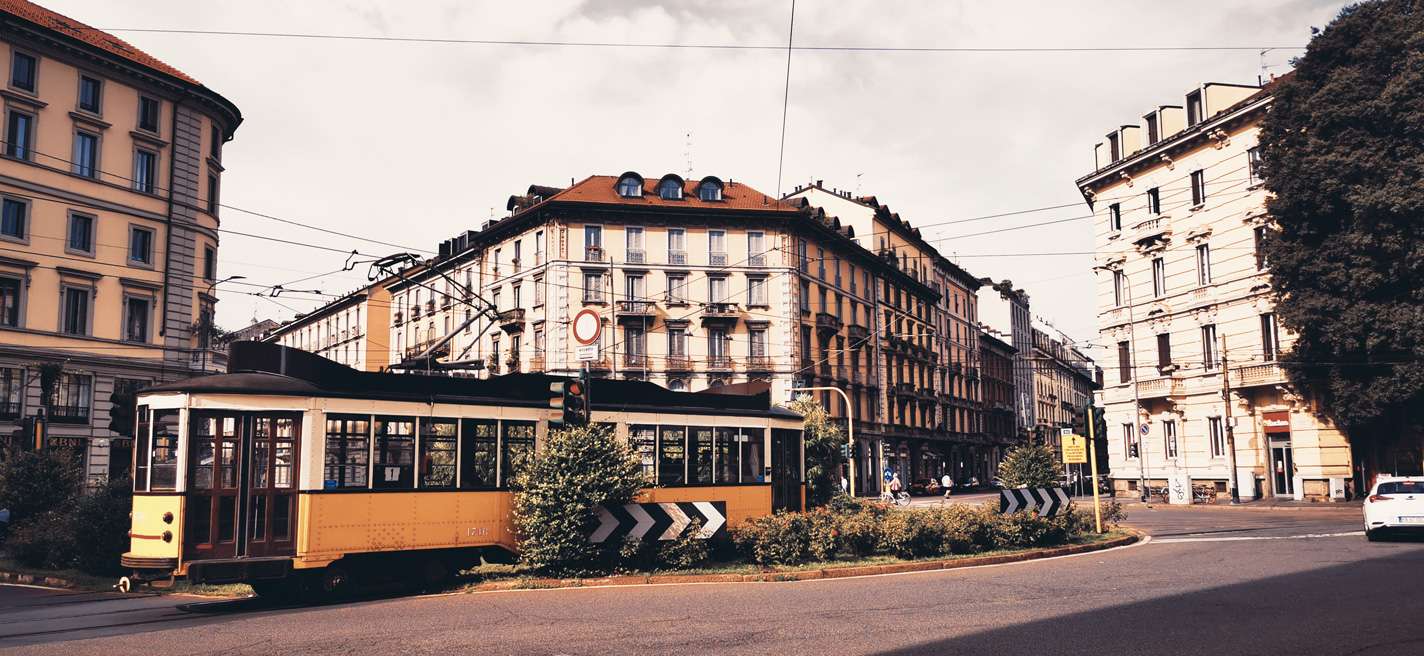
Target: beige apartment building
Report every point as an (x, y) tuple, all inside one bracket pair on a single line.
[(352, 330), (1185, 299), (109, 177)]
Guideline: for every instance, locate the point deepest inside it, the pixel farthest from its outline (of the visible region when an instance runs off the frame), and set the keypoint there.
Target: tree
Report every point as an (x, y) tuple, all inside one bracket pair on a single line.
[(1343, 157), (557, 494), (823, 450), (33, 482), (1031, 466)]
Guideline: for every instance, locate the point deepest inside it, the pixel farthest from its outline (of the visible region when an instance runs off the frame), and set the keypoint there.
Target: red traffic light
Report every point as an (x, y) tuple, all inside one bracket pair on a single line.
[(574, 388)]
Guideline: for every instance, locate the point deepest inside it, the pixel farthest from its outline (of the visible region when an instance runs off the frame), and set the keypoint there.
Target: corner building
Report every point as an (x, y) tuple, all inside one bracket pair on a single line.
[(109, 179), (1185, 301)]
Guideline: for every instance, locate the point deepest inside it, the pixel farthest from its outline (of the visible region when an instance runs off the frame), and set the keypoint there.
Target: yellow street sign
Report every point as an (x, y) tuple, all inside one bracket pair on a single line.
[(1075, 449)]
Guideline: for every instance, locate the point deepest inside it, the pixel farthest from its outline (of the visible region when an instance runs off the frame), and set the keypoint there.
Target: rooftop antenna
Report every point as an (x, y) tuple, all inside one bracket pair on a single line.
[(689, 155), (857, 184)]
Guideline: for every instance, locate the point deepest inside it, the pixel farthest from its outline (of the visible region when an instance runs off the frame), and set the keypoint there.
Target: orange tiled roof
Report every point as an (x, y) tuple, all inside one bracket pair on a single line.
[(97, 38), (735, 196)]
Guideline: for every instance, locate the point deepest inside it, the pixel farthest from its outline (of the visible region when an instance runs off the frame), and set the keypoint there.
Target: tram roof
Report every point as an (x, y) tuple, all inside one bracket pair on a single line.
[(262, 368)]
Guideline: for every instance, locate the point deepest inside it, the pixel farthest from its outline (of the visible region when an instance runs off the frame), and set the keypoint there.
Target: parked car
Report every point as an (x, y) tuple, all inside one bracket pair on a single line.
[(997, 483), (967, 483), (1395, 505), (924, 487)]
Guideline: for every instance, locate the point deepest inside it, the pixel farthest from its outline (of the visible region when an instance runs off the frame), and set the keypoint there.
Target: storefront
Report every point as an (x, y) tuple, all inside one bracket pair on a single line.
[(1280, 459)]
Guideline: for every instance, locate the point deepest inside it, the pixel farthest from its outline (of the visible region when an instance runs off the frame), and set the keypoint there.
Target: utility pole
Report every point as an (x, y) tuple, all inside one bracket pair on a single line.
[(1230, 432)]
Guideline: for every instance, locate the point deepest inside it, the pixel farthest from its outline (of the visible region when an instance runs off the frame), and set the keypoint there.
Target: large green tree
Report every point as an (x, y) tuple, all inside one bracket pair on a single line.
[(823, 445), (1343, 157)]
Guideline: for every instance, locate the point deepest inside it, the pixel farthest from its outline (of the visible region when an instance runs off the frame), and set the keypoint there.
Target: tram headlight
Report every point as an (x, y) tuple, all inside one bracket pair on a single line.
[(168, 518), (168, 536)]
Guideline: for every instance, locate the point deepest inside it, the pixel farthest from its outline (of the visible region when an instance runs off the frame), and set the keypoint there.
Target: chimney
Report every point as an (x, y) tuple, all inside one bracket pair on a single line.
[(820, 182)]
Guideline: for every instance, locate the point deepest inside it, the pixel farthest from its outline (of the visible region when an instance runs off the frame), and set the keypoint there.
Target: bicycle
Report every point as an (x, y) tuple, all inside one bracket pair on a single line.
[(1205, 493), (901, 498)]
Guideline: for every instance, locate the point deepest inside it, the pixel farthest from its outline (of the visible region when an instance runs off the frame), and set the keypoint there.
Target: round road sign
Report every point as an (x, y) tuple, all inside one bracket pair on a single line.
[(1145, 429), (586, 326)]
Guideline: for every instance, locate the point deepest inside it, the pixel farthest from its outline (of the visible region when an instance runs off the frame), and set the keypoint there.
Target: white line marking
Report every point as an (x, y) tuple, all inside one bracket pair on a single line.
[(1264, 537)]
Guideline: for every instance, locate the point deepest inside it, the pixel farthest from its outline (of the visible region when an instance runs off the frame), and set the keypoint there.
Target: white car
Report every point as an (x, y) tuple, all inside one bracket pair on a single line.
[(1395, 504)]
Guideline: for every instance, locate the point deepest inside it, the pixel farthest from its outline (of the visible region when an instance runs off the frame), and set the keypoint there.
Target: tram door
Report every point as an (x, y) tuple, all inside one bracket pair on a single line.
[(241, 498), (785, 470)]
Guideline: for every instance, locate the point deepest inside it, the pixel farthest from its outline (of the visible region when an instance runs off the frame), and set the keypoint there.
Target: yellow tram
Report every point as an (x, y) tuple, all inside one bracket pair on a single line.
[(294, 472)]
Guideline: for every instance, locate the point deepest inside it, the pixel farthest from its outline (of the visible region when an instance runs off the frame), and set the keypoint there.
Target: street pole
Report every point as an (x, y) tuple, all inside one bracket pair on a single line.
[(1230, 433), (1142, 478), (1092, 422), (850, 426)]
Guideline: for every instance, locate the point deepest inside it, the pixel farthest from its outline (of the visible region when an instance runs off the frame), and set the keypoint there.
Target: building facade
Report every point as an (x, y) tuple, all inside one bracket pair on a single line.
[(109, 180), (1063, 383), (1185, 300), (996, 358), (352, 330)]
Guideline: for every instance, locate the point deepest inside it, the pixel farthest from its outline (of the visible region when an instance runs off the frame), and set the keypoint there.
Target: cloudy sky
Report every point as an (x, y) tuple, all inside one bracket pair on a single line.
[(409, 142)]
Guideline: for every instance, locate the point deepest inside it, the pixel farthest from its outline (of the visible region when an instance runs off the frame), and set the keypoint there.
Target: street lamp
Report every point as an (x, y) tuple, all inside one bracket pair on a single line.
[(850, 426), (206, 323), (1136, 400)]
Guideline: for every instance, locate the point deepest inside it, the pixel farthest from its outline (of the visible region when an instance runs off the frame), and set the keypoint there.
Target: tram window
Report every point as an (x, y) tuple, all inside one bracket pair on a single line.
[(347, 451), (751, 454), (727, 455), (516, 446), (437, 453), (672, 456), (479, 444), (395, 453), (282, 447), (227, 513), (140, 452), (644, 439), (702, 443), (164, 454)]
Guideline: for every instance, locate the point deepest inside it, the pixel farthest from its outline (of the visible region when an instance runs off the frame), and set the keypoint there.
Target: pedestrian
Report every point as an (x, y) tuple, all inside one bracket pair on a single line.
[(947, 483), (845, 486)]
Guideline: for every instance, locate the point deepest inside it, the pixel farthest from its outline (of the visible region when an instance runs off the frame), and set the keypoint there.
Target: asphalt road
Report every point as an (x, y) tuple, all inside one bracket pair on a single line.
[(1212, 580)]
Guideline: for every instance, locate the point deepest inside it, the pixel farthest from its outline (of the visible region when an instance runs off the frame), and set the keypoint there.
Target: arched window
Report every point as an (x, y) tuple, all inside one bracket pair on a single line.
[(630, 187), (709, 190), (670, 189), (677, 385)]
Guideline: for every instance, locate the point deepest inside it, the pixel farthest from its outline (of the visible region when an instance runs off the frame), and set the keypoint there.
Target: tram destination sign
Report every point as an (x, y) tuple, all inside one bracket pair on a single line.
[(659, 521)]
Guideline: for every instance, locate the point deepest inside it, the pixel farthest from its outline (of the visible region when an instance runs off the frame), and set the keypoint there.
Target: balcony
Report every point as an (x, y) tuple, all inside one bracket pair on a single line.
[(1161, 388), (717, 259), (906, 390), (637, 256), (678, 258), (925, 393), (972, 373), (512, 321), (635, 311), (1258, 375), (538, 258), (420, 347), (859, 335), (828, 324), (679, 363), (515, 263), (1157, 227), (719, 362), (756, 260), (724, 314), (430, 307), (537, 365), (593, 253), (760, 363), (635, 361), (398, 318), (599, 364)]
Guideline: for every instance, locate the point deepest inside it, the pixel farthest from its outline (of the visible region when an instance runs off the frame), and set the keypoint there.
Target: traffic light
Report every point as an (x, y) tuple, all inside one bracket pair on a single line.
[(1079, 420), (121, 413), (571, 402), (1132, 450), (1099, 417), (845, 451)]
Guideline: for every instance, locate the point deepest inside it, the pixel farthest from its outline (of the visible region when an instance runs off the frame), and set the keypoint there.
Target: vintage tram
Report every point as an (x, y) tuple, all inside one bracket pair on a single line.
[(294, 473)]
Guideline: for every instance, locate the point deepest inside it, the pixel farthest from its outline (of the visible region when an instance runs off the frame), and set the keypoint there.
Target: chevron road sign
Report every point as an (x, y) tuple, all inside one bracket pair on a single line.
[(1050, 501), (660, 521)]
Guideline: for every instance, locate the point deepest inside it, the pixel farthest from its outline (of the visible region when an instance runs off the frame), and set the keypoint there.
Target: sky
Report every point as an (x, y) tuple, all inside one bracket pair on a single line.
[(401, 144)]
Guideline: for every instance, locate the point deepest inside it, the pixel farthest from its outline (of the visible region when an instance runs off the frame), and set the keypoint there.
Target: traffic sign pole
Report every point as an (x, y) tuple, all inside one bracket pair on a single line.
[(1093, 458)]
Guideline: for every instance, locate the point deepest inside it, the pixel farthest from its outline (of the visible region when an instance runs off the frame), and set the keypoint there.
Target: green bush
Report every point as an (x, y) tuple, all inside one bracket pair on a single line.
[(780, 538), (43, 541), (858, 532), (685, 552), (1031, 466), (558, 492), (36, 482), (89, 535)]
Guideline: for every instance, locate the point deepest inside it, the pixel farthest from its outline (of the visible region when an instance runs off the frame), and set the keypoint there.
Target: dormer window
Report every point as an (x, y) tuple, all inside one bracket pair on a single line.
[(1195, 112), (630, 187), (670, 189), (709, 190)]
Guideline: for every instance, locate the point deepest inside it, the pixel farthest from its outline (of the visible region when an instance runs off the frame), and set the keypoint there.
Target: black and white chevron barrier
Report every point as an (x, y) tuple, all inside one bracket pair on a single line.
[(1050, 501), (660, 521)]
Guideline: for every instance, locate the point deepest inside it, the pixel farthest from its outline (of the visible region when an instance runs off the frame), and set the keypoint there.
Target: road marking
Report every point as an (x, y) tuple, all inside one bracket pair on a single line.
[(1263, 537)]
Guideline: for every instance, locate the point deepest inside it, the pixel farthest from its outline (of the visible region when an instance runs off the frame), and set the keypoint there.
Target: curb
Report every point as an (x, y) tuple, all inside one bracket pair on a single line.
[(803, 575), (1317, 507), (36, 579)]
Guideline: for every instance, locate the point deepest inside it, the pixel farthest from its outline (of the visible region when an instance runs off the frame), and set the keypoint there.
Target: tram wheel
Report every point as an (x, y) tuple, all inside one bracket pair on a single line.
[(327, 584)]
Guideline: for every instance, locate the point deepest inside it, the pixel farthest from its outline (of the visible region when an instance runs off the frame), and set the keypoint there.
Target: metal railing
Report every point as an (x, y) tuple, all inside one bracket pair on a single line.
[(593, 253)]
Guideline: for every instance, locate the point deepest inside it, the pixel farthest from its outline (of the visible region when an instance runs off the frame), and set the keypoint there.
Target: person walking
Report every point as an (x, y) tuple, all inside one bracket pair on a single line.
[(947, 483)]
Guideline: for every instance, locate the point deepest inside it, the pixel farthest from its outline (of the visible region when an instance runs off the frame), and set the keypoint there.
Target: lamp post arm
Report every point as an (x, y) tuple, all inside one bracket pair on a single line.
[(850, 425)]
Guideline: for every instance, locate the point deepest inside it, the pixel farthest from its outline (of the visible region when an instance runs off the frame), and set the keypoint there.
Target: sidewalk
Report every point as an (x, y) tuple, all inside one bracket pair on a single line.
[(1269, 503)]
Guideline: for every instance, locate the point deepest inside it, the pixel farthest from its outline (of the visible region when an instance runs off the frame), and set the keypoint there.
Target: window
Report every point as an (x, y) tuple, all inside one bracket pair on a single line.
[(145, 170), (1159, 278), (1124, 362), (69, 403), (12, 392), (758, 342), (136, 318), (19, 135), (141, 246), (592, 287), (634, 238), (635, 341), (1169, 438), (538, 292), (756, 249), (347, 451), (670, 189), (1216, 437), (1198, 188), (538, 248), (633, 287), (437, 453), (81, 233), (821, 263), (1154, 201), (806, 297), (677, 289), (717, 247), (210, 263), (1114, 149), (677, 342), (1258, 234), (1270, 337), (821, 296), (23, 72), (852, 278), (1115, 217), (717, 290), (215, 144), (86, 154), (677, 246), (494, 299), (709, 191), (212, 194), (718, 343), (514, 295), (672, 449), (1203, 264), (395, 453), (147, 114), (12, 218), (630, 187), (1153, 132), (756, 291), (1120, 290), (479, 446), (1129, 442), (516, 445), (801, 254), (643, 440), (1194, 108), (1208, 335), (1164, 351)]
